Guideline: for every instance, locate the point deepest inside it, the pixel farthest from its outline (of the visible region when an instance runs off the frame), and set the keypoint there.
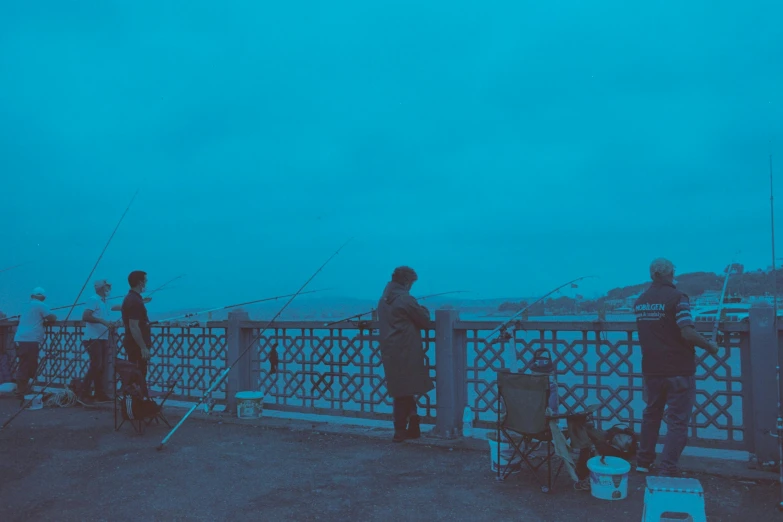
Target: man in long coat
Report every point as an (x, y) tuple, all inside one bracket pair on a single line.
[(401, 320)]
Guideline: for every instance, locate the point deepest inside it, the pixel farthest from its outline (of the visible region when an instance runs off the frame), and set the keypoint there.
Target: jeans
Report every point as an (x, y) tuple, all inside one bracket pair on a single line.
[(677, 395), (28, 364), (404, 407), (98, 350)]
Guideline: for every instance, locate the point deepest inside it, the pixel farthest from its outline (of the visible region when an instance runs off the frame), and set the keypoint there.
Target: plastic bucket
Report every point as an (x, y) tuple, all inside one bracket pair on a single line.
[(250, 404), (37, 401), (506, 451), (608, 477)]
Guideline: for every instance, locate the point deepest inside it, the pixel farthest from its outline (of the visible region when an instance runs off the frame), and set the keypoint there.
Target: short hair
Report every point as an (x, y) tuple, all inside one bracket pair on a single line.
[(404, 275), (661, 267), (135, 278)]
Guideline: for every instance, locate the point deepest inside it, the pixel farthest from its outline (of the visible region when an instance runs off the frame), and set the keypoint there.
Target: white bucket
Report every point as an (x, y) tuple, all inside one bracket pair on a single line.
[(506, 451), (250, 404), (609, 477), (37, 401)]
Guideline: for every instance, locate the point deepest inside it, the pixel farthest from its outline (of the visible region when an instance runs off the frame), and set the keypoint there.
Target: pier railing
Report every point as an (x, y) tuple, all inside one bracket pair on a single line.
[(337, 370)]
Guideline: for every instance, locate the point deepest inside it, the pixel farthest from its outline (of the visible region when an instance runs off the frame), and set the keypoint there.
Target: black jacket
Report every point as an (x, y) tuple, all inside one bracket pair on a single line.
[(665, 353)]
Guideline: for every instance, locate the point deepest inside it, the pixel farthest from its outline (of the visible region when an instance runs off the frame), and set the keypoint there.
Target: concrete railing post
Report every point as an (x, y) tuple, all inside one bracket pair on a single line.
[(239, 378), (450, 380), (763, 394)]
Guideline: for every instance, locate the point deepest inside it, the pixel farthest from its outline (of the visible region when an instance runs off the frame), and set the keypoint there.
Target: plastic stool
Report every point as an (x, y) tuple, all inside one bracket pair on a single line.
[(673, 496)]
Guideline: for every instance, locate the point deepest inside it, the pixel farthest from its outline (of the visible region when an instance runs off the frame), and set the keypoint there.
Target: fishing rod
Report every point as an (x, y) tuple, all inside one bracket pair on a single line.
[(716, 324), (503, 326), (359, 316), (779, 423), (224, 373), (158, 289), (202, 312), (84, 303), (11, 268), (59, 333)]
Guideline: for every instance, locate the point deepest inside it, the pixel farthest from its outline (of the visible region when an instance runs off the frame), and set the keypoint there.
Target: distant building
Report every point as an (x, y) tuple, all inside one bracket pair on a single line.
[(629, 301)]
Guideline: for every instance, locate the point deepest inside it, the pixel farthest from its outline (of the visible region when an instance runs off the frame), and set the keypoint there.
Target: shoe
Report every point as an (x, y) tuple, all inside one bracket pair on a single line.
[(414, 430), (102, 399), (400, 435), (643, 467)]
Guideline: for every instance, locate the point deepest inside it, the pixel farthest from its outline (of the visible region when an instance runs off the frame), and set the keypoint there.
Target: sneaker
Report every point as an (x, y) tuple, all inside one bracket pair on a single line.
[(643, 467)]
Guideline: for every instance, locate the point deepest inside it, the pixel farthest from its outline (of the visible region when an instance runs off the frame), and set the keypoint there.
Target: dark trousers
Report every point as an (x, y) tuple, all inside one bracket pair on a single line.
[(28, 364), (134, 356), (675, 395), (98, 350), (404, 407)]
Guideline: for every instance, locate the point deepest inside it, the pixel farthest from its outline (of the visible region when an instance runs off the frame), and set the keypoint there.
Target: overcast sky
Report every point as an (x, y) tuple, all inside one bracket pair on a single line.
[(498, 147)]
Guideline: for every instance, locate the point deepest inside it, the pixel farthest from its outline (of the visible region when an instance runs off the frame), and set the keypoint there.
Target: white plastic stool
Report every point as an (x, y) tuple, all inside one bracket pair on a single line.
[(674, 496)]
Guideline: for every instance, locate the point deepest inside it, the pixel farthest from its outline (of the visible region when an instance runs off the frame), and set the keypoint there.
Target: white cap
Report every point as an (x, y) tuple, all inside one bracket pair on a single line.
[(38, 291), (100, 283)]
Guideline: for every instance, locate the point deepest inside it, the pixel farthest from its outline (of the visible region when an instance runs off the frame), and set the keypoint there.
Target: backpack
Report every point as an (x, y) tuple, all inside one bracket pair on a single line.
[(619, 441)]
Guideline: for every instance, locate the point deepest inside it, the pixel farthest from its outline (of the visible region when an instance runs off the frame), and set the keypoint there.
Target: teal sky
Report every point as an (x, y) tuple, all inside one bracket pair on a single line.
[(498, 147)]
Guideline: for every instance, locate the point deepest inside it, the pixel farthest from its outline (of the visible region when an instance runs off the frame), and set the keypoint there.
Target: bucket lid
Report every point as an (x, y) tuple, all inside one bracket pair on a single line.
[(250, 395), (609, 466)]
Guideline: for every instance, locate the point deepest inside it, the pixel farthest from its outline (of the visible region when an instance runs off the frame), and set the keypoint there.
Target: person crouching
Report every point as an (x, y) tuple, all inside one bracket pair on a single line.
[(401, 320)]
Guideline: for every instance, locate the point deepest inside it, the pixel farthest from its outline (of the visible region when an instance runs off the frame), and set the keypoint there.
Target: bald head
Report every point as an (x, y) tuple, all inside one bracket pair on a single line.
[(662, 270)]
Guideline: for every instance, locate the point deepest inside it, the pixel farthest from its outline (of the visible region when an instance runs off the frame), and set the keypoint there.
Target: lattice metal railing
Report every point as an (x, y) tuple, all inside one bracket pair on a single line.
[(334, 371), (601, 363), (191, 355), (338, 370)]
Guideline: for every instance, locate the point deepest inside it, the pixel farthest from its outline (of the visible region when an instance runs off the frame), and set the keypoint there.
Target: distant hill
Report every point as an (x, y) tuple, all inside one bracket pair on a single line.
[(741, 283)]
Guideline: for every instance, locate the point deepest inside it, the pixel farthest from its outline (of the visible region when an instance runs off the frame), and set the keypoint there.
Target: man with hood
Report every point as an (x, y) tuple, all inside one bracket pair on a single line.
[(401, 320)]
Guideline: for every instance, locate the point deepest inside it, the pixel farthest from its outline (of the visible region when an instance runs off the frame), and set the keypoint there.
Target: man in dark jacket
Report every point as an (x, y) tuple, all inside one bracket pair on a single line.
[(667, 338), (402, 352)]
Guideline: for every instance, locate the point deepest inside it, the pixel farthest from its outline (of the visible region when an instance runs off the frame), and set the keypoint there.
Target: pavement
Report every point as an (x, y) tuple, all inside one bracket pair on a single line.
[(69, 464)]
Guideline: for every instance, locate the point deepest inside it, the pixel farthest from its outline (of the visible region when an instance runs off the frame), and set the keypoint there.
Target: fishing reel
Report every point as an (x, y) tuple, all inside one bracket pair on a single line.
[(209, 405), (364, 324)]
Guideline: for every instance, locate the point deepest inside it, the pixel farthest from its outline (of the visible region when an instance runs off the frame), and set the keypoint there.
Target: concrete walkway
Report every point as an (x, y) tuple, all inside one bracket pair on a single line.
[(69, 464)]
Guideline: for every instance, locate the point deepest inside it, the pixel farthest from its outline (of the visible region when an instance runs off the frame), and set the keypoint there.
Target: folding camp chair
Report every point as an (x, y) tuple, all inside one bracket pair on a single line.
[(133, 402), (527, 426)]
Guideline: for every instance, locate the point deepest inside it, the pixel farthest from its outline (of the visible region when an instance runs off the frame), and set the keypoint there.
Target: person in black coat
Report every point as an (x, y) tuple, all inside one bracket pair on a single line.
[(401, 320)]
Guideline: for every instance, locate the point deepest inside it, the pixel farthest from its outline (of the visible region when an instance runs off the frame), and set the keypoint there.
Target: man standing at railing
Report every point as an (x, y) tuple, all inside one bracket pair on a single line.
[(137, 324), (30, 336), (402, 319), (667, 337), (96, 342)]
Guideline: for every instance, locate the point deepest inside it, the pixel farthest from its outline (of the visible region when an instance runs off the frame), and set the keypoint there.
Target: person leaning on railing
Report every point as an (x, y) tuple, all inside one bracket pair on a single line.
[(30, 336), (401, 320), (96, 343), (667, 337)]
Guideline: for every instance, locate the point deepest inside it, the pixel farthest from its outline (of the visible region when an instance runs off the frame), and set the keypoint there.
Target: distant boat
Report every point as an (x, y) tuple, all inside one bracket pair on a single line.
[(734, 310)]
